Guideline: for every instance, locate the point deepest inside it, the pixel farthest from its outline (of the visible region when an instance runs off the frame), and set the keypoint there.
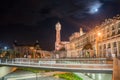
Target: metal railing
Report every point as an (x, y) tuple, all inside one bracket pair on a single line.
[(66, 61), (76, 64), (58, 61)]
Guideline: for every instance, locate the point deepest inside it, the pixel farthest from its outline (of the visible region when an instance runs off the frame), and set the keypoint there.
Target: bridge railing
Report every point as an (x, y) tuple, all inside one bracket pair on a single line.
[(76, 64), (57, 61)]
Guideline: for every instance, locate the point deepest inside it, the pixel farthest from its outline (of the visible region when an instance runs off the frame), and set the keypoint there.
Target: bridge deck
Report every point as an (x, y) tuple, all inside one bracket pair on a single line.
[(71, 65)]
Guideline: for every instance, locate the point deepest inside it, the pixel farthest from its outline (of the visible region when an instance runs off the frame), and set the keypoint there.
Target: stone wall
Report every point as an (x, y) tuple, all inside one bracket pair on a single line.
[(116, 69)]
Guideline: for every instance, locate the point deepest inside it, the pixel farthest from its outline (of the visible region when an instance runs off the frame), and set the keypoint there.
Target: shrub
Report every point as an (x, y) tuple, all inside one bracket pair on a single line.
[(69, 76)]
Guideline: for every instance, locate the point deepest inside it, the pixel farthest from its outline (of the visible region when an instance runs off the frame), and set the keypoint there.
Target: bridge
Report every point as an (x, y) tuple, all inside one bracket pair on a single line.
[(94, 65)]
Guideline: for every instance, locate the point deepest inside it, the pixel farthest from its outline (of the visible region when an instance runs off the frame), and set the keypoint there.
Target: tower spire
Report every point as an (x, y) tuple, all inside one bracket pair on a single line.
[(81, 32), (58, 29), (58, 37)]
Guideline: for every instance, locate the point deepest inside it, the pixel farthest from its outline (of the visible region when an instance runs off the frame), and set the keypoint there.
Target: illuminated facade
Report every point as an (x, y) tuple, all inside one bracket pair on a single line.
[(30, 51), (25, 50), (102, 41)]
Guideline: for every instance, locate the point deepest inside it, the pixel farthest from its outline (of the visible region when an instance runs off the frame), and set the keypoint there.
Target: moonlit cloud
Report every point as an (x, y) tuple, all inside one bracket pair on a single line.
[(94, 7)]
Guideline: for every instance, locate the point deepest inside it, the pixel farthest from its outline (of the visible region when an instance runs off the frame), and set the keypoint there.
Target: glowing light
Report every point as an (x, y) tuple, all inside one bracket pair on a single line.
[(93, 10), (5, 48), (31, 48), (99, 34)]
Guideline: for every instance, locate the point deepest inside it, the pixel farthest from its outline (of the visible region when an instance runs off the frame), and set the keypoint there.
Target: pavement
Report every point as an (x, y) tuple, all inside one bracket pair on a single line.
[(95, 76), (26, 75)]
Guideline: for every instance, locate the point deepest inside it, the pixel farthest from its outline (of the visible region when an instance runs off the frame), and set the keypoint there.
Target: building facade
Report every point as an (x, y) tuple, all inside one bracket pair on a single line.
[(25, 50), (101, 41), (30, 50)]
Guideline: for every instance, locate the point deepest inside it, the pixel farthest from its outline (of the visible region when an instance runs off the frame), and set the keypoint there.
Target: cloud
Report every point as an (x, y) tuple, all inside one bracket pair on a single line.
[(79, 9), (94, 7)]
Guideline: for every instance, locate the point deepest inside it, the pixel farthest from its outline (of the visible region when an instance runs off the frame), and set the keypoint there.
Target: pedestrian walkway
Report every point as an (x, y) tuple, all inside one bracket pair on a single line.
[(83, 76), (26, 75)]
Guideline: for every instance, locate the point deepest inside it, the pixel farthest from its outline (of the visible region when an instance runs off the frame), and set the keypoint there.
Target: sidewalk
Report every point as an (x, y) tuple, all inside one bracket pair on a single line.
[(83, 76)]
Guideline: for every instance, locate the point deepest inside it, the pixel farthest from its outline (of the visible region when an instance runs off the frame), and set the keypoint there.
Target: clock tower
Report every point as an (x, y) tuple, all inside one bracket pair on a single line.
[(58, 37)]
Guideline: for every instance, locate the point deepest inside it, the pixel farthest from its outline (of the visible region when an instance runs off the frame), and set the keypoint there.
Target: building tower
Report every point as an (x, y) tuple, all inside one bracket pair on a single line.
[(36, 45), (81, 32), (58, 37)]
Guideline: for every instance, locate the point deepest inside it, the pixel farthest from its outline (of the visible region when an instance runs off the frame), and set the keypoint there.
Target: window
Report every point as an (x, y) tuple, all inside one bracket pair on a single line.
[(108, 35), (18, 49), (119, 25), (100, 47), (113, 33), (114, 44), (104, 46), (107, 29), (109, 45), (113, 28), (118, 31)]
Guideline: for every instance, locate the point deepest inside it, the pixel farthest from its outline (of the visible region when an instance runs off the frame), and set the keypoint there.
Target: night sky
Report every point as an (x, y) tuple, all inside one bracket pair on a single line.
[(29, 20)]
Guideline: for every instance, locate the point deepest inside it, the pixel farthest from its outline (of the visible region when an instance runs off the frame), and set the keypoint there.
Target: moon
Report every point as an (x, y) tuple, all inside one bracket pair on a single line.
[(93, 8)]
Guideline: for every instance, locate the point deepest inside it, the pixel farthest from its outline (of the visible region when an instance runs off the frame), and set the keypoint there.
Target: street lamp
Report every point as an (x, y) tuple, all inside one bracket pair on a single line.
[(5, 48), (99, 34)]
